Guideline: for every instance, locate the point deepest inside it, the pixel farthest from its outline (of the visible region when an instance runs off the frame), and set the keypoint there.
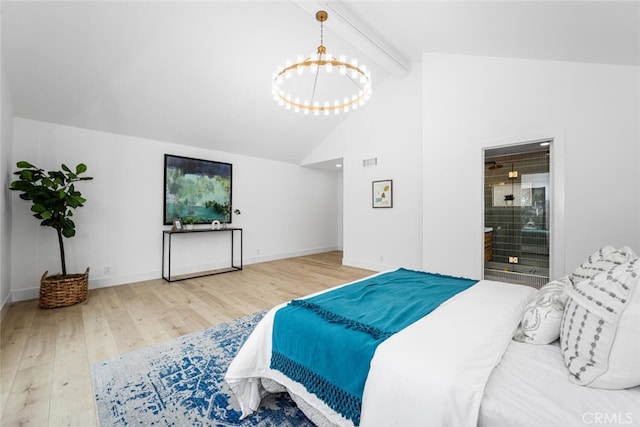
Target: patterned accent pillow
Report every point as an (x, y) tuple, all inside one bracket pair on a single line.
[(601, 260), (600, 330), (542, 315)]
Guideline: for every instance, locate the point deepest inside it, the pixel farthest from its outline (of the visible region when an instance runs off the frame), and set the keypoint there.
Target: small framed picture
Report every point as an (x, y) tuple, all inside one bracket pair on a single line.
[(382, 194), (177, 225)]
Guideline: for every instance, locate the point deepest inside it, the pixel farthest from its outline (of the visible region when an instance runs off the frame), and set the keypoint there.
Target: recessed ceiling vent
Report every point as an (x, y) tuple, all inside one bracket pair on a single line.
[(367, 163)]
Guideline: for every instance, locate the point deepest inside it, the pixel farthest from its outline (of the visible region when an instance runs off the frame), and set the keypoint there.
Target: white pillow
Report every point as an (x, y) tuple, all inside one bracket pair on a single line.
[(542, 315), (600, 330), (604, 259)]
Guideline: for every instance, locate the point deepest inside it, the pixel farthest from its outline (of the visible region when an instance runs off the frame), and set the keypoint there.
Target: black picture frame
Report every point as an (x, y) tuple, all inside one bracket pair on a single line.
[(197, 188)]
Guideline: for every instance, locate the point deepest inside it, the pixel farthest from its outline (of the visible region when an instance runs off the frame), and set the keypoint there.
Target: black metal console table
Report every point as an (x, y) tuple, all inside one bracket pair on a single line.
[(166, 252)]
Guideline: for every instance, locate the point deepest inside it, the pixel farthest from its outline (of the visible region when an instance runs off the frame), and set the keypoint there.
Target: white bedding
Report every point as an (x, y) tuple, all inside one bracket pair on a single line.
[(530, 388), (432, 373)]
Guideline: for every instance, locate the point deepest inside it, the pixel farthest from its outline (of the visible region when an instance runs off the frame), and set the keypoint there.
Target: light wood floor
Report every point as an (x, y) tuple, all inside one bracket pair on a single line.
[(46, 354)]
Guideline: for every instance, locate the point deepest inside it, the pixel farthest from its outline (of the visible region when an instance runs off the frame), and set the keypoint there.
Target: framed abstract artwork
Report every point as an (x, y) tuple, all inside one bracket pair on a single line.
[(382, 194), (198, 189)]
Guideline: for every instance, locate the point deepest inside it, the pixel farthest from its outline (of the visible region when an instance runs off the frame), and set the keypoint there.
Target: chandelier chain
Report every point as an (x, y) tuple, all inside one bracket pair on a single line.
[(321, 50), (321, 35)]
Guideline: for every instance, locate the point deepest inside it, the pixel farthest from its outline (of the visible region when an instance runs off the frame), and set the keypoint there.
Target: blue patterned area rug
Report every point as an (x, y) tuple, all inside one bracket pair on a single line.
[(181, 383)]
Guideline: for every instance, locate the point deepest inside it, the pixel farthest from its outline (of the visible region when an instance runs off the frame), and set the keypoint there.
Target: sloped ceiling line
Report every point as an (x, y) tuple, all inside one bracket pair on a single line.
[(348, 26)]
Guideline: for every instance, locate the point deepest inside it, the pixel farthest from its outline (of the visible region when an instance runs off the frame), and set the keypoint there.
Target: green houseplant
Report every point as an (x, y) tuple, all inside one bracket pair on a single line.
[(223, 209), (226, 211), (53, 198), (189, 221)]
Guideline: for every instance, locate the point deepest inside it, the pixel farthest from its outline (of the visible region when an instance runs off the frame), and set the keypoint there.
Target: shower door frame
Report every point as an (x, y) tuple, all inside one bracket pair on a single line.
[(557, 204)]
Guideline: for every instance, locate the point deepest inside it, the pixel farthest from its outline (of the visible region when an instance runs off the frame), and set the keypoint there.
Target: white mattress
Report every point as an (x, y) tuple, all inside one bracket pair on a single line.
[(530, 387)]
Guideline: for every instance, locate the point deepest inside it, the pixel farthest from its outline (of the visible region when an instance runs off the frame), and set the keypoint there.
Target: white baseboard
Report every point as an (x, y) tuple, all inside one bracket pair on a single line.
[(366, 265), (107, 281), (5, 304), (25, 294), (284, 255)]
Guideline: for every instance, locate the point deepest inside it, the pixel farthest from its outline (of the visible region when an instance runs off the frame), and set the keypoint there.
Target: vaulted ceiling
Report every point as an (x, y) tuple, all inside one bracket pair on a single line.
[(199, 73)]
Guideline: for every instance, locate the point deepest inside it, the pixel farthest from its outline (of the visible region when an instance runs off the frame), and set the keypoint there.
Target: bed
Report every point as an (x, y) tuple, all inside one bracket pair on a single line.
[(459, 365)]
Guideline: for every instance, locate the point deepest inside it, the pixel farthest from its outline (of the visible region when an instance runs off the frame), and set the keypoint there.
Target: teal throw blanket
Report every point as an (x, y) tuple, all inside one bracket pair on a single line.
[(327, 342)]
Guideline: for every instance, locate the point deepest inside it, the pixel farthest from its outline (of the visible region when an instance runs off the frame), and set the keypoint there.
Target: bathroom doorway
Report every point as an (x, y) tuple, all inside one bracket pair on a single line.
[(517, 213)]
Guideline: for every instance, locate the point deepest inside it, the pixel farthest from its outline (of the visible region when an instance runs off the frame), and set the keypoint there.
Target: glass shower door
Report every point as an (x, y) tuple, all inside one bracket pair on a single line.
[(517, 203)]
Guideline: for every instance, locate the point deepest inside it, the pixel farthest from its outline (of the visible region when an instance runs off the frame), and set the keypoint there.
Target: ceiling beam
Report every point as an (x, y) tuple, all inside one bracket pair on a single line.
[(352, 29)]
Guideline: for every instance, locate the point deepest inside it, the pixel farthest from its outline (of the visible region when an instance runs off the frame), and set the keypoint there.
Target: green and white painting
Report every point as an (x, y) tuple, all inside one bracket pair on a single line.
[(196, 191)]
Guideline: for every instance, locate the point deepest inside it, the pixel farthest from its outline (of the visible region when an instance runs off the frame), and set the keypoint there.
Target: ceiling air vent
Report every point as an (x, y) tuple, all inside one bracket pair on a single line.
[(367, 163)]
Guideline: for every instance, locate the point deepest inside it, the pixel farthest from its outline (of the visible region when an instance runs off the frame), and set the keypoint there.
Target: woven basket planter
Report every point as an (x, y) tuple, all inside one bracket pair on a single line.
[(63, 291)]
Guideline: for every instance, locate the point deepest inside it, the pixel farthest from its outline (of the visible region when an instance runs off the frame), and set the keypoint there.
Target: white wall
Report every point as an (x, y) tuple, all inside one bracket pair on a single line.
[(6, 148), (475, 102), (388, 128), (340, 210), (287, 210), (427, 131)]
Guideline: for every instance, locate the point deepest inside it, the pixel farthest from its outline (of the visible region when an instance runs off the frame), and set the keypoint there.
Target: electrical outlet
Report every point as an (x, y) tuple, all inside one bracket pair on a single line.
[(107, 269)]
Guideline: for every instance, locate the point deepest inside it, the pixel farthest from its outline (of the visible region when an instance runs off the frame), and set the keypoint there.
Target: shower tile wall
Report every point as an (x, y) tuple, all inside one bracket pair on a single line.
[(521, 227)]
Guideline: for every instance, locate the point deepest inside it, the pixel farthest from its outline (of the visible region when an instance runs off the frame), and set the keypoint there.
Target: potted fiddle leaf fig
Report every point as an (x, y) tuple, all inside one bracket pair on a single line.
[(53, 198)]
